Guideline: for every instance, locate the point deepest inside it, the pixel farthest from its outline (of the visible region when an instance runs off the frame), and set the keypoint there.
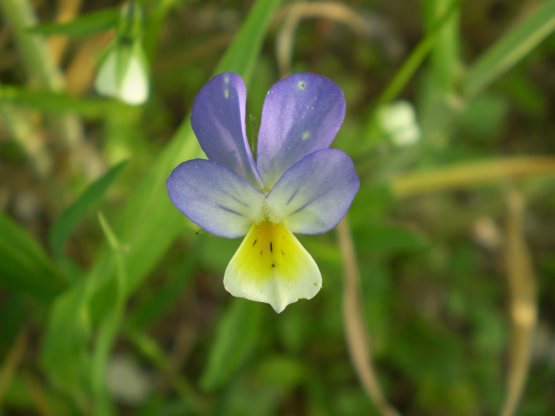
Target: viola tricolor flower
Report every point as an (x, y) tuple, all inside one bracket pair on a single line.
[(297, 184)]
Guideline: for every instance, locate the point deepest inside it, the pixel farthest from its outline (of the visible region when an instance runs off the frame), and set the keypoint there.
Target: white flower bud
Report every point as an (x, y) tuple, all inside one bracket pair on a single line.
[(398, 122), (123, 73)]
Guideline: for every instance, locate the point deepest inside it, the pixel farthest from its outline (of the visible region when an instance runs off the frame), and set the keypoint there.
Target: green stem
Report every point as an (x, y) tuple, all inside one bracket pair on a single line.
[(415, 59), (510, 49), (445, 51)]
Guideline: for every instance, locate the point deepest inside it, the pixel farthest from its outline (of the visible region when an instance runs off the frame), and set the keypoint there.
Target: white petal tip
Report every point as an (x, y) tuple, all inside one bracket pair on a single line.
[(278, 305)]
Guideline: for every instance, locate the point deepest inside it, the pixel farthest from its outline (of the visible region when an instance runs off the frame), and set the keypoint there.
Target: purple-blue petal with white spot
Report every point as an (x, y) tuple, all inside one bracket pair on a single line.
[(215, 198), (302, 113), (218, 120), (315, 193)]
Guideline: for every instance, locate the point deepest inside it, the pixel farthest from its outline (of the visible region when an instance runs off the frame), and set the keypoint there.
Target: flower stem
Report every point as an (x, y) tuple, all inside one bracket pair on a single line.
[(522, 302), (357, 339)]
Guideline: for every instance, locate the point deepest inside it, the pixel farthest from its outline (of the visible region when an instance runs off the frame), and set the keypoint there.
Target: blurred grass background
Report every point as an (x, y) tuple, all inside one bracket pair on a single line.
[(438, 296)]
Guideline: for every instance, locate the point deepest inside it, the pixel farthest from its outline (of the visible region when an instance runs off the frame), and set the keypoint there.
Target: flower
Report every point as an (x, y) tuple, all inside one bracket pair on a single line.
[(123, 72), (297, 185)]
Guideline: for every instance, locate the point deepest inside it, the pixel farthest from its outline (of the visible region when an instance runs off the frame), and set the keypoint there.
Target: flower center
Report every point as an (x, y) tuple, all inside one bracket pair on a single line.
[(269, 248), (267, 215)]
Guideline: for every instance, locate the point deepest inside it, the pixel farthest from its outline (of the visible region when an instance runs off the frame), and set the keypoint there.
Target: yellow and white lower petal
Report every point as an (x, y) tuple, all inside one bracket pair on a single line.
[(272, 266)]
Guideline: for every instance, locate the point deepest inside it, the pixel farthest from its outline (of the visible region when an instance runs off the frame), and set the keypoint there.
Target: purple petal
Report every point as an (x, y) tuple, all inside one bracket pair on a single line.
[(302, 113), (218, 120), (314, 194), (215, 198)]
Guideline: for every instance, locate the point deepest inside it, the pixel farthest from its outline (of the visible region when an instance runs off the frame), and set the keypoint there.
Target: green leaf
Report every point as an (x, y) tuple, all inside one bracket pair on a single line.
[(110, 325), (157, 303), (14, 307), (64, 354), (283, 371), (24, 266), (73, 215), (82, 26), (510, 49), (236, 338), (59, 103), (484, 116), (444, 59)]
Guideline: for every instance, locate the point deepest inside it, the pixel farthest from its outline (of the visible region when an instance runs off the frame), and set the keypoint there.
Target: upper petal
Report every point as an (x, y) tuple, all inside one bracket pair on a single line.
[(218, 120), (215, 198), (314, 194), (302, 113)]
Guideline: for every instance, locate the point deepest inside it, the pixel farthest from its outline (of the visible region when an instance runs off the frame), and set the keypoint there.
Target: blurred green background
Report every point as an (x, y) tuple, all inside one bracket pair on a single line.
[(111, 302)]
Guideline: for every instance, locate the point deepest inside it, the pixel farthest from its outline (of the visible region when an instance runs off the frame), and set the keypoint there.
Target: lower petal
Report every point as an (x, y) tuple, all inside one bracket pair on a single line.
[(272, 266)]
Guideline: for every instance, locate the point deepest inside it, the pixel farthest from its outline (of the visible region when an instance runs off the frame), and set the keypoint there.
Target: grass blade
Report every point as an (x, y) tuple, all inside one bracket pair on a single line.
[(24, 266), (109, 327), (230, 350), (81, 26), (510, 49), (54, 103), (73, 215)]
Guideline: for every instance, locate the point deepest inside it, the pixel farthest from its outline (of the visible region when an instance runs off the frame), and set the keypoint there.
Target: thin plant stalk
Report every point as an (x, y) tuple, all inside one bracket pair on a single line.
[(334, 11), (523, 308), (356, 336)]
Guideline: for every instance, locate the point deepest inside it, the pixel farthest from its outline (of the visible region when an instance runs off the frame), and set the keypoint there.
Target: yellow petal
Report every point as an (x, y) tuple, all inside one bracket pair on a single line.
[(272, 266)]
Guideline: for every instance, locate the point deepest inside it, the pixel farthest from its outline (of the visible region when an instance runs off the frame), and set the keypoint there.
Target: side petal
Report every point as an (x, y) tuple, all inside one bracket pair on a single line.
[(215, 198), (314, 194), (218, 120), (271, 266), (302, 113)]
